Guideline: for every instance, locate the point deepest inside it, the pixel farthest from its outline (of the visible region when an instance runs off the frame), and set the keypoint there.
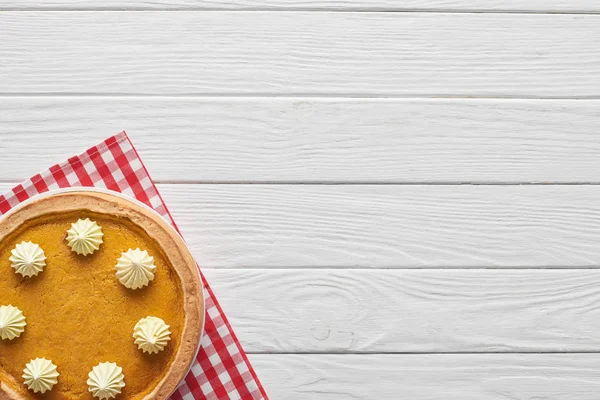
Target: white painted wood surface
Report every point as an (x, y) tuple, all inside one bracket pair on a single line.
[(412, 311), (431, 377), (316, 156), (543, 6), (315, 139), (389, 226), (315, 53)]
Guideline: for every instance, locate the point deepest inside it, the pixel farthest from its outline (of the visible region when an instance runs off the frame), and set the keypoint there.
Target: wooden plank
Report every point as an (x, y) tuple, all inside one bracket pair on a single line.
[(411, 311), (387, 5), (389, 226), (315, 140), (355, 54), (430, 377)]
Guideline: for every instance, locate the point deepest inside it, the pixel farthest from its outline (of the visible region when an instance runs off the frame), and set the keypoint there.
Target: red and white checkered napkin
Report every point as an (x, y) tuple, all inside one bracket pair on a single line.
[(221, 370)]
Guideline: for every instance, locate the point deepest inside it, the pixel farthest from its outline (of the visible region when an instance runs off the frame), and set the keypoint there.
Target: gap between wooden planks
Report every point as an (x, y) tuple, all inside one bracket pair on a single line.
[(301, 53), (304, 140)]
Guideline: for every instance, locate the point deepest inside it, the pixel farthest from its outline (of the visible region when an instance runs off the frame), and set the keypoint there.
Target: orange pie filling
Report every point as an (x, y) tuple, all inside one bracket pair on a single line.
[(79, 314)]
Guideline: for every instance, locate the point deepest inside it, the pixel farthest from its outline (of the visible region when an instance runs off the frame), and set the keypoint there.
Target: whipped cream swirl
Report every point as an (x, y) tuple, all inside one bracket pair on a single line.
[(84, 237), (106, 380), (40, 375), (28, 259), (135, 268), (151, 334), (12, 322)]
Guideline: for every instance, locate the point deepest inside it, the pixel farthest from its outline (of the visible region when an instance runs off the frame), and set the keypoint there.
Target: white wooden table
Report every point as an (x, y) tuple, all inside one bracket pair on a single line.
[(393, 199)]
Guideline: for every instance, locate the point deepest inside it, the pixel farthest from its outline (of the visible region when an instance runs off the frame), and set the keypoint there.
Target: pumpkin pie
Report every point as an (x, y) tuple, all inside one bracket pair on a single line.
[(80, 316)]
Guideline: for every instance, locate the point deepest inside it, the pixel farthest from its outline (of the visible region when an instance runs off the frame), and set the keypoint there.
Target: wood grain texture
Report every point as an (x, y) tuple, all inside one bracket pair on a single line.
[(389, 226), (314, 139), (356, 54), (411, 311), (430, 377), (271, 96), (397, 5)]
